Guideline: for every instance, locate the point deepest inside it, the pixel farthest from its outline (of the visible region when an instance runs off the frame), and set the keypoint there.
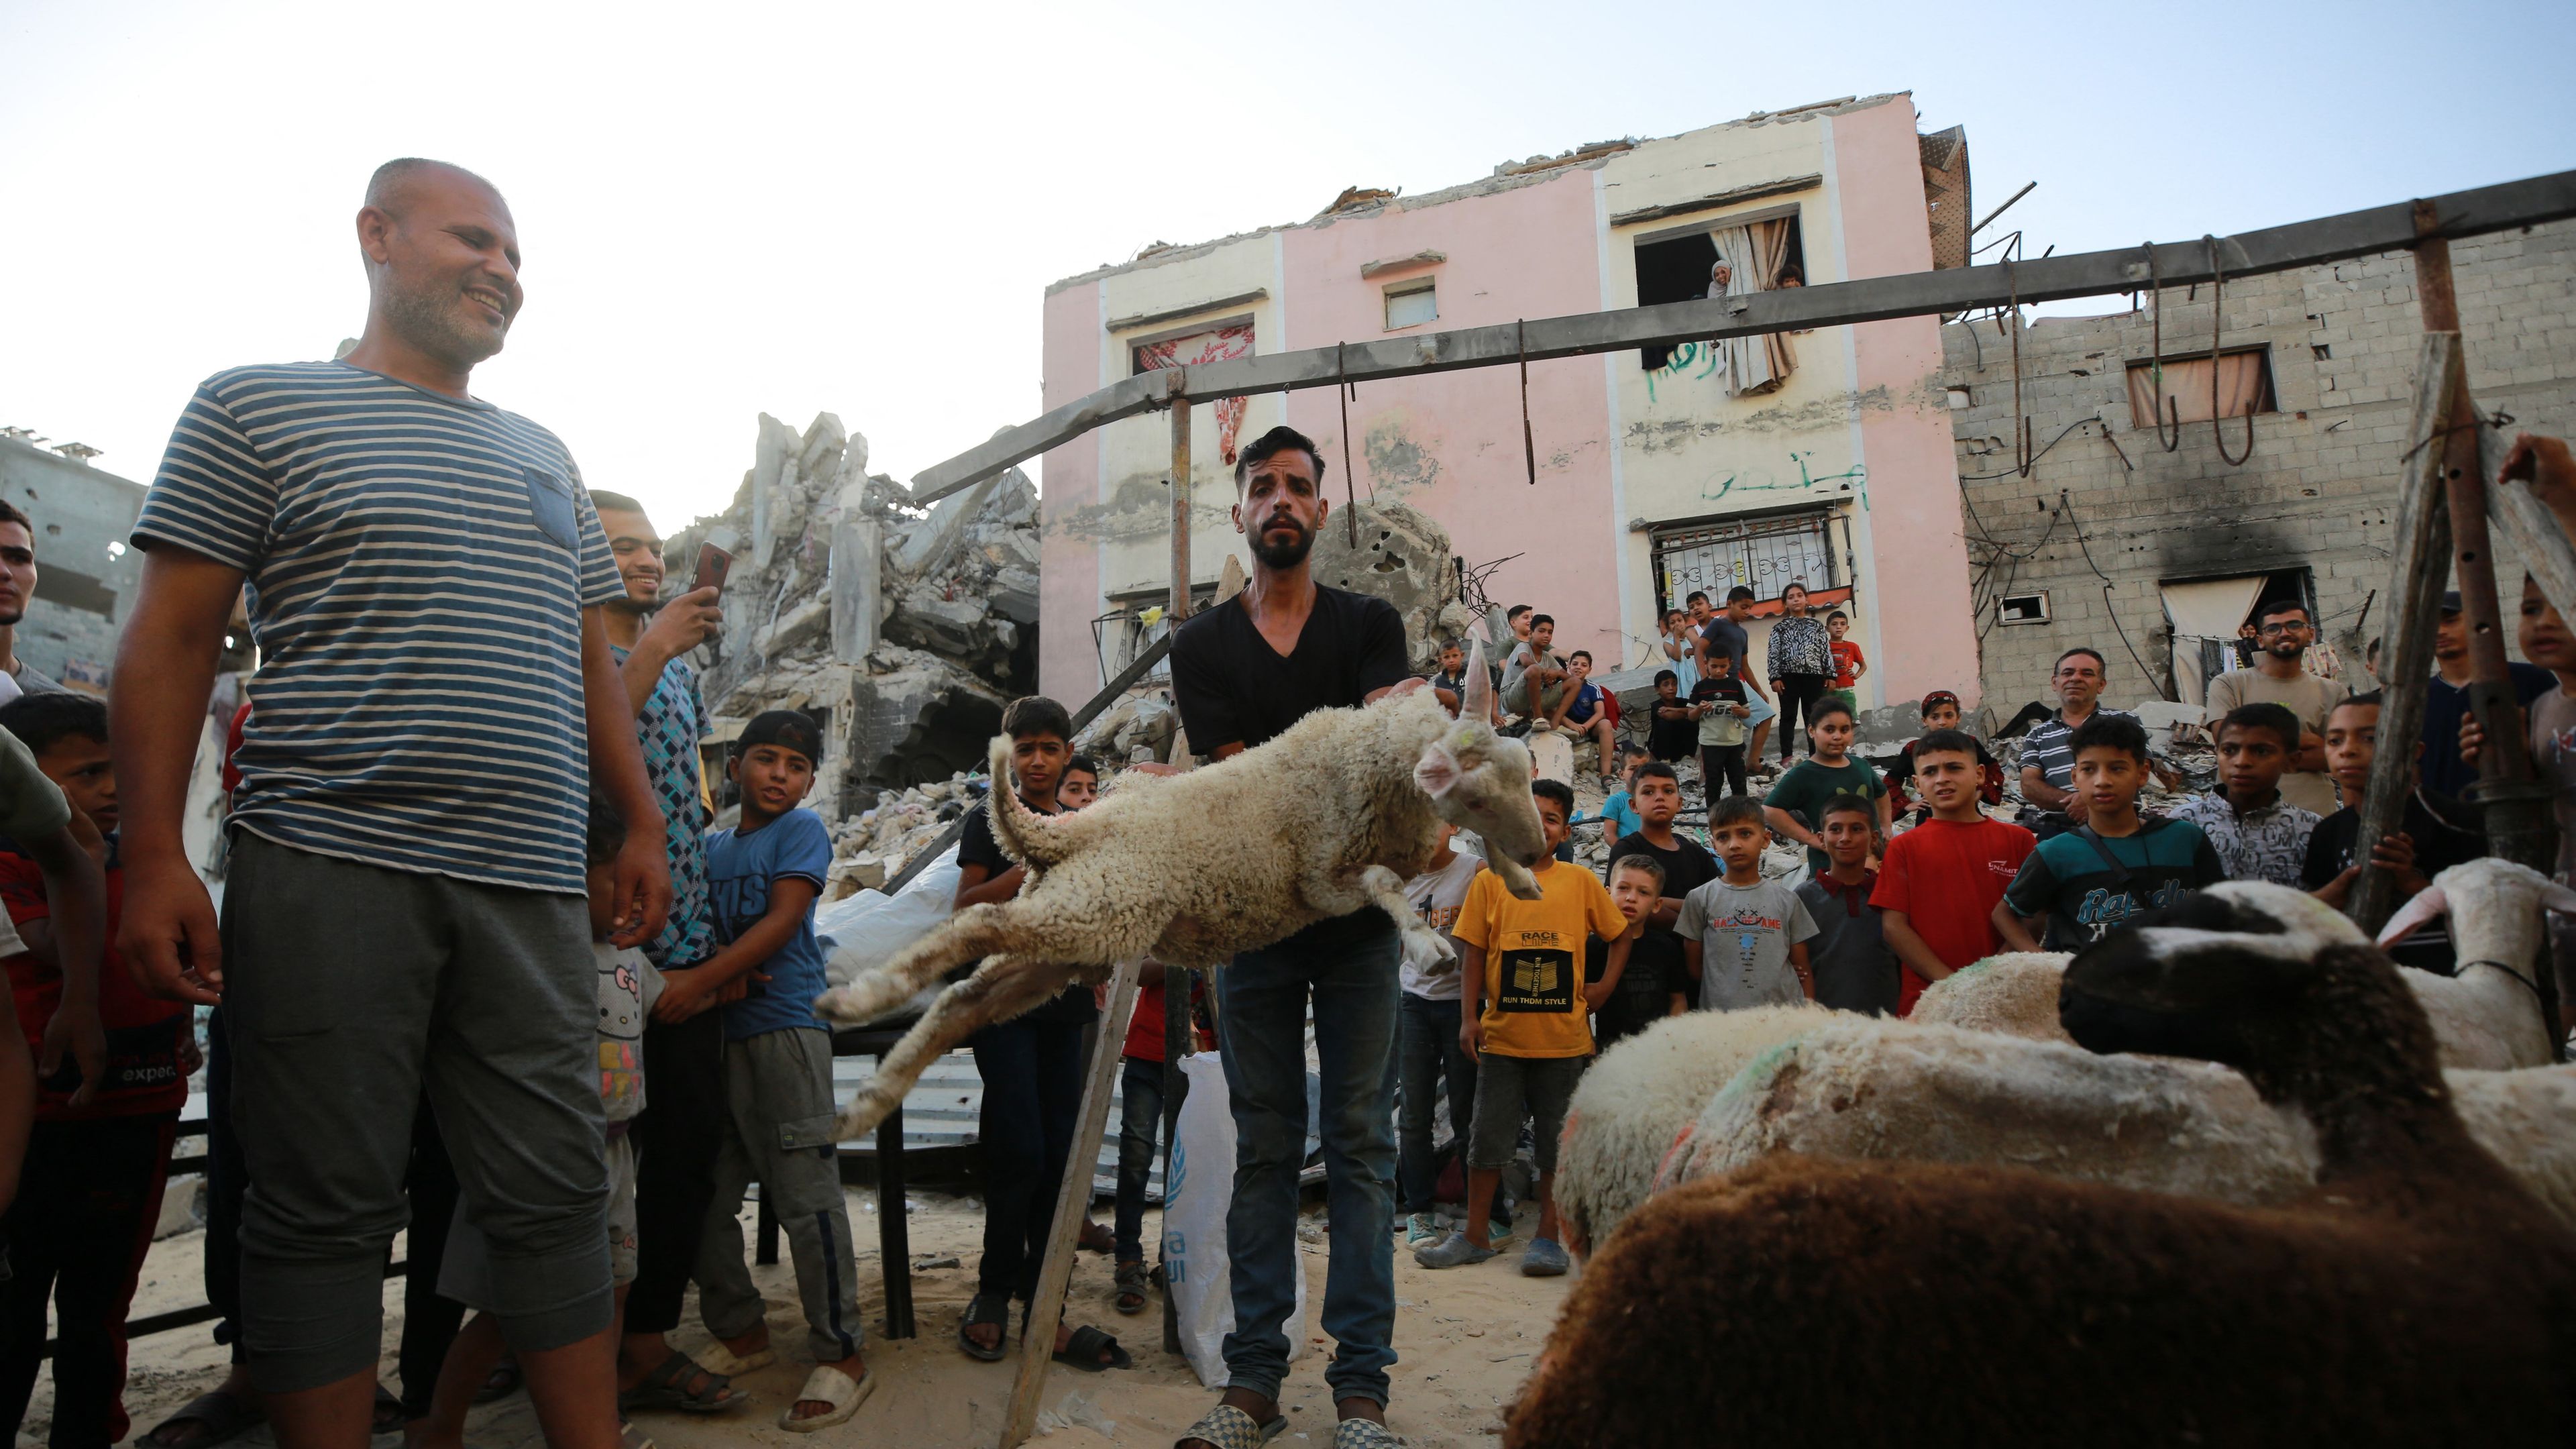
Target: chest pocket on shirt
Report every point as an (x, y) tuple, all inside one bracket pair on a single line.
[(550, 507)]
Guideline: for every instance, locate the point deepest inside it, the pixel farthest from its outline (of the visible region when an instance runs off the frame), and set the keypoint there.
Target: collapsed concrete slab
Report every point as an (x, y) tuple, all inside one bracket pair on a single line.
[(902, 631)]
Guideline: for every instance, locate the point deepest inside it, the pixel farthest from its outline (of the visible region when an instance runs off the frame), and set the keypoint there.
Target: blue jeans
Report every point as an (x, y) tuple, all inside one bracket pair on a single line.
[(1430, 1053), (1140, 1098), (1348, 968)]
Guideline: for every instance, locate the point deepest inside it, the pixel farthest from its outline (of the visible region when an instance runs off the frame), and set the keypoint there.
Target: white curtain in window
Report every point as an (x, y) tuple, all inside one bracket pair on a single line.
[(1753, 255), (2205, 609)]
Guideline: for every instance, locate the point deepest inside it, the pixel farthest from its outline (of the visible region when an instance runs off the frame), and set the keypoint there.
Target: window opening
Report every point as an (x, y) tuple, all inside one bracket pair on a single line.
[(1764, 554), (2022, 608), (2244, 386), (1677, 270), (1411, 304)]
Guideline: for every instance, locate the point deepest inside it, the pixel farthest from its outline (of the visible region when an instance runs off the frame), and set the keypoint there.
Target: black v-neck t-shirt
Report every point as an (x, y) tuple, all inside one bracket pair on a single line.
[(1233, 688)]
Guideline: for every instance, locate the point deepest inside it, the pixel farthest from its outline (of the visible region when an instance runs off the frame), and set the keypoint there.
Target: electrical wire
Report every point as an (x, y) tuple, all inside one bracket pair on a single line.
[(2108, 607), (2035, 457)]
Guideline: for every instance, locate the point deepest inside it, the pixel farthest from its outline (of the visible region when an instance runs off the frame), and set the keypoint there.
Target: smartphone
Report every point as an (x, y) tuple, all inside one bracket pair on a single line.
[(713, 564)]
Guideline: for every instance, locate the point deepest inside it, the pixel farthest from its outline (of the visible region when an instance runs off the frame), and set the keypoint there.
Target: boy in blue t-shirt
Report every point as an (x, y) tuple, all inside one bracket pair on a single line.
[(2097, 879), (763, 877)]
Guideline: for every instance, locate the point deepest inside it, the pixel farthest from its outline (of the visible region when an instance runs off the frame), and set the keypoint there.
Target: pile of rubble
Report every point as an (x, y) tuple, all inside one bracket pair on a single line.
[(875, 845), (903, 630)]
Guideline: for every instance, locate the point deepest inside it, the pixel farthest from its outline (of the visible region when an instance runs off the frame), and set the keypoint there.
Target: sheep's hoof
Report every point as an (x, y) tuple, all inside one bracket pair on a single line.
[(852, 1005), (860, 1118), (1424, 950)]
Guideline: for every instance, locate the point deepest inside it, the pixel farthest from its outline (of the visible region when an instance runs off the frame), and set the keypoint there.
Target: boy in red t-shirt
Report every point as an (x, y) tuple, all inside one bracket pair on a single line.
[(1938, 886), (100, 1150), (1849, 666)]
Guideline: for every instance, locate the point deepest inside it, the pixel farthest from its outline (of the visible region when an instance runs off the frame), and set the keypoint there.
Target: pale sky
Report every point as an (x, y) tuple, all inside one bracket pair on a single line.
[(727, 210)]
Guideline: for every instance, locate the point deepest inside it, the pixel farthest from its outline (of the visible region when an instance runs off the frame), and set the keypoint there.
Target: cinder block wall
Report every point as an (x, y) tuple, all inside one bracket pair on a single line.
[(2319, 492)]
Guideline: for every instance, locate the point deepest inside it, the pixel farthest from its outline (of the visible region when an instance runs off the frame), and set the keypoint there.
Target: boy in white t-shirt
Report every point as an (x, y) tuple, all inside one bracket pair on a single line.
[(1428, 1048)]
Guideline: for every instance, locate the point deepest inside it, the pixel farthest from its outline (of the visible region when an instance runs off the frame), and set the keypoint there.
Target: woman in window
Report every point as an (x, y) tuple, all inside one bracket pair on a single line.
[(1801, 663)]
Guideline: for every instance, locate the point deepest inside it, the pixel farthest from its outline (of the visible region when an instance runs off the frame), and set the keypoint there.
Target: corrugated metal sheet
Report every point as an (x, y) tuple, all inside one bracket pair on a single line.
[(943, 1108)]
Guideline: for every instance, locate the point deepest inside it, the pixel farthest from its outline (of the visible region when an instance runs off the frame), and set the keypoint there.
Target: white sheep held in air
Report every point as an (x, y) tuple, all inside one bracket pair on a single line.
[(1331, 817), (2488, 1015)]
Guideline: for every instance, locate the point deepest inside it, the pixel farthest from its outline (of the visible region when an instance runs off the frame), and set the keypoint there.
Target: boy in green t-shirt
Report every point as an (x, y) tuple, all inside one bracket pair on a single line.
[(1830, 771)]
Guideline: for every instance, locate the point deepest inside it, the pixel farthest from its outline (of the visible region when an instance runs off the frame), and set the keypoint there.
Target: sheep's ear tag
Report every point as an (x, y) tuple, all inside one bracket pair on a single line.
[(1438, 771), (2427, 904)]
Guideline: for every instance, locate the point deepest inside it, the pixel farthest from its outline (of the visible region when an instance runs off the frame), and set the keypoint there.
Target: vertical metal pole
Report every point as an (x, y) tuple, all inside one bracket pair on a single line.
[(1179, 608), (1177, 982)]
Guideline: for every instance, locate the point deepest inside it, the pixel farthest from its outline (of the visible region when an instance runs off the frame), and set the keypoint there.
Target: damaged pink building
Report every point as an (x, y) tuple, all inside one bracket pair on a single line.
[(1825, 456)]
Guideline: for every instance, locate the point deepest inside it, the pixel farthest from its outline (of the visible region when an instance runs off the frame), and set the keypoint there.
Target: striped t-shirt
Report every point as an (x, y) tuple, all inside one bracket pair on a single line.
[(418, 566)]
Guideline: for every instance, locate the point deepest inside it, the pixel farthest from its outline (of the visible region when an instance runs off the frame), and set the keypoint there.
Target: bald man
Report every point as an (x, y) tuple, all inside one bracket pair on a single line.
[(404, 908)]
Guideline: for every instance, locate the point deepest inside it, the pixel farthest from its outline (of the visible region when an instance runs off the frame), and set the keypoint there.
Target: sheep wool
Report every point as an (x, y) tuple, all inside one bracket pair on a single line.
[(2014, 993), (1897, 1090), (1635, 1107)]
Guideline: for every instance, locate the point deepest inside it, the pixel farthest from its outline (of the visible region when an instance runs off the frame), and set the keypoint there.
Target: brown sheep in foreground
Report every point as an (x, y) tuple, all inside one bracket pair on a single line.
[(2419, 1296)]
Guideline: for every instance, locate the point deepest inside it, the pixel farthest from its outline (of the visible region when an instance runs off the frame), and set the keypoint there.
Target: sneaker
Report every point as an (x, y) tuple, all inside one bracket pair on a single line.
[(1545, 1259), (1451, 1252), (1421, 1228)]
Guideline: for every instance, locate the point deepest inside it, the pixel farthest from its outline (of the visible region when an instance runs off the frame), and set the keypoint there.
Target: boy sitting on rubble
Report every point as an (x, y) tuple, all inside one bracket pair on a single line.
[(1585, 711), (763, 877), (629, 987), (1525, 1016)]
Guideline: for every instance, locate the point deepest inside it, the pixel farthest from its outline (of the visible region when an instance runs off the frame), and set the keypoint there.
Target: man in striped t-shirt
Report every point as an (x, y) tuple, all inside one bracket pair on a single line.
[(404, 907)]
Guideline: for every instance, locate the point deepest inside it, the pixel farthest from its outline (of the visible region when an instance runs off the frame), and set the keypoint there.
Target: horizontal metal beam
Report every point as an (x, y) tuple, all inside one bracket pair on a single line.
[(1871, 299)]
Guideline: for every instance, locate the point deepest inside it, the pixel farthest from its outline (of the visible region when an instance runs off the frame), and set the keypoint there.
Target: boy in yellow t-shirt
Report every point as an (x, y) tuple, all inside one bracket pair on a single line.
[(1525, 1015)]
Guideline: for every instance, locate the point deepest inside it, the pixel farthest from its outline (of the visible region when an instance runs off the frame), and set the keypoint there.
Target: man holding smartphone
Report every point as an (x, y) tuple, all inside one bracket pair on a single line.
[(677, 1135)]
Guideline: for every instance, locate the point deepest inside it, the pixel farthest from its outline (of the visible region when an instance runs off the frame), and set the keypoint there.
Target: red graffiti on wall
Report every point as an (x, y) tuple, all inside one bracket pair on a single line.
[(1222, 345)]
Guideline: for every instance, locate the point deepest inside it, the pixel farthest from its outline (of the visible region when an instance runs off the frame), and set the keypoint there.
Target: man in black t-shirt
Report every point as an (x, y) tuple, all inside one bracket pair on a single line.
[(1244, 672)]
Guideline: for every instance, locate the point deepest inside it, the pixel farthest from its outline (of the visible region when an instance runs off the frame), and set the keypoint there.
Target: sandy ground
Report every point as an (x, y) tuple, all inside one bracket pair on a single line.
[(1465, 1339)]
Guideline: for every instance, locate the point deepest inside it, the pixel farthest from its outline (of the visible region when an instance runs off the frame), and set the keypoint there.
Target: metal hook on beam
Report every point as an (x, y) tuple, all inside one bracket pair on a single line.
[(2217, 304), (1350, 500), (2023, 458), (2164, 407), (1529, 445)]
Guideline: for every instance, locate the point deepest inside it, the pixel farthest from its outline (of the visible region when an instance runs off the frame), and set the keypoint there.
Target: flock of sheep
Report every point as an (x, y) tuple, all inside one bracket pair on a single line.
[(1706, 1163), (2229, 1178)]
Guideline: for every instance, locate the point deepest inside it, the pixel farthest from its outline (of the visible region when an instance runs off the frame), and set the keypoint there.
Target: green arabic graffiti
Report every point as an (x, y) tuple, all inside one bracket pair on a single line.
[(1758, 480)]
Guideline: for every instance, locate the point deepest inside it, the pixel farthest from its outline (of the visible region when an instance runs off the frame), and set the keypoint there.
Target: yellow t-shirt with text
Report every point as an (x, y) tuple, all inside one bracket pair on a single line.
[(1534, 958)]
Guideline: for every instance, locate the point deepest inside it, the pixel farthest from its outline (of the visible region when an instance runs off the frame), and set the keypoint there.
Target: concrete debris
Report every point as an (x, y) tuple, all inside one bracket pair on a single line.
[(1137, 729), (1402, 557), (873, 846), (902, 630)]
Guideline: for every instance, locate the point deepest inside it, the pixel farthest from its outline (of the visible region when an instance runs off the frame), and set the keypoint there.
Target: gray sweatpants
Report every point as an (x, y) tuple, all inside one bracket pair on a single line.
[(779, 1117), (348, 991)]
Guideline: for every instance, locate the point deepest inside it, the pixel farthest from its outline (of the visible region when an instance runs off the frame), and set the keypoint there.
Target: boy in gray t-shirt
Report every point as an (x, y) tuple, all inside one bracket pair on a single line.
[(1744, 938)]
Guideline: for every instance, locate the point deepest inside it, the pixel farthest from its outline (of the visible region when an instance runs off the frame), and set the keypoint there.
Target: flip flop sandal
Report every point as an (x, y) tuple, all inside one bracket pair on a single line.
[(1083, 1351), (220, 1414), (388, 1417), (715, 1358), (1228, 1427), (1096, 1238), (504, 1381), (667, 1387), (982, 1309), (1132, 1288), (828, 1385), (1364, 1434)]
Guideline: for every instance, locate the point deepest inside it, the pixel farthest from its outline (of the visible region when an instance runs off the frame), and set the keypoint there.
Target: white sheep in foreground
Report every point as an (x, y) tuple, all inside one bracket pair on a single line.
[(2487, 1017), (2489, 1014), (2418, 1294), (1329, 818), (2014, 992), (1635, 1107)]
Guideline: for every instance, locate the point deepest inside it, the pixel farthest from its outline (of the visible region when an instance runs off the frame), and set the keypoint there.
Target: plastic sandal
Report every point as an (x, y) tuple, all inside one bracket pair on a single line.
[(715, 1358), (220, 1414), (985, 1308), (1364, 1434), (666, 1387), (828, 1385), (1084, 1348), (1133, 1291), (1228, 1427)]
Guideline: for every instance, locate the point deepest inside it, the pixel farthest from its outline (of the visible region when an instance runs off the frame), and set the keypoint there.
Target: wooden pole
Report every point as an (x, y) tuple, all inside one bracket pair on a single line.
[(2420, 573), (1072, 1195), (1176, 981)]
